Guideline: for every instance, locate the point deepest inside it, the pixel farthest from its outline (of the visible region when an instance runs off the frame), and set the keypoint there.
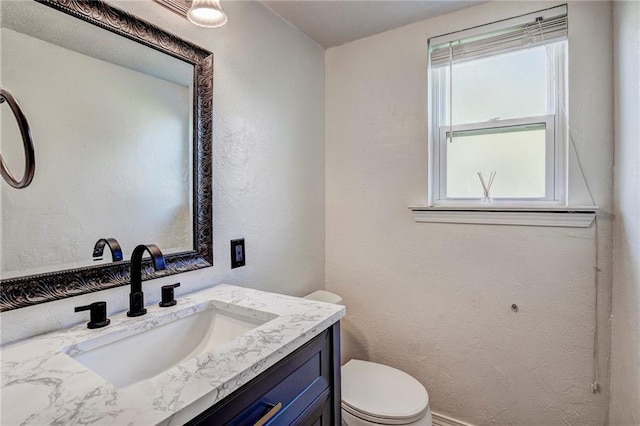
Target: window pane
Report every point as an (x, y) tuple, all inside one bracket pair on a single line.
[(517, 154), (510, 85)]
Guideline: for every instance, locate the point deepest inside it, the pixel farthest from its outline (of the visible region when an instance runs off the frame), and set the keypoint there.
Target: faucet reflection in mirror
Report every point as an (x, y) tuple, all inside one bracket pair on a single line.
[(114, 247), (136, 297)]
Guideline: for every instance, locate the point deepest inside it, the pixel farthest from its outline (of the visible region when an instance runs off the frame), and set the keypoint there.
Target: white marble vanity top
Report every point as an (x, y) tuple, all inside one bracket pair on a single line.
[(41, 384)]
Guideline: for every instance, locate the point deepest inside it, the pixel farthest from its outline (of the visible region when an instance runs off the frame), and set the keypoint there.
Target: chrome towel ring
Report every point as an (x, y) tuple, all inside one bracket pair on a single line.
[(27, 142)]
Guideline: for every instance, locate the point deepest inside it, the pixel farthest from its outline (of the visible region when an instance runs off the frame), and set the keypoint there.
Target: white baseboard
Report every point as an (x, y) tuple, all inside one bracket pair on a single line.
[(442, 420)]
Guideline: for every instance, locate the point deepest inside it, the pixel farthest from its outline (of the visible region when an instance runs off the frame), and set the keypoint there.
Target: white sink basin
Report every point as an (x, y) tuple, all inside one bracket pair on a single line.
[(147, 349)]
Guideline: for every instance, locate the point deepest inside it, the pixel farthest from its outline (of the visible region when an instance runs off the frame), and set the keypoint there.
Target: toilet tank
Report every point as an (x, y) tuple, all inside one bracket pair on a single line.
[(325, 296)]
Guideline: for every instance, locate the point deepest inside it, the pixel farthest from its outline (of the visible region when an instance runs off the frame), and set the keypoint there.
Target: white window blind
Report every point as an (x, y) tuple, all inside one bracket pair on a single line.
[(546, 26)]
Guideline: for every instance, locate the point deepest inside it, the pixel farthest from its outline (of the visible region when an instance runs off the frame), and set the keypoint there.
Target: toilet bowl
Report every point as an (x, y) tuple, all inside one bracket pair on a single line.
[(376, 394)]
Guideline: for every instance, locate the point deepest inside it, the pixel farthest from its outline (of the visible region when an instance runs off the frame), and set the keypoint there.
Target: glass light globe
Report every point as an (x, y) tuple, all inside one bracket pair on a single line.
[(207, 13)]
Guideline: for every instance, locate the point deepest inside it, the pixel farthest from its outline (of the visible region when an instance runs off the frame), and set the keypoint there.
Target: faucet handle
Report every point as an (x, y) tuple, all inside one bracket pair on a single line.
[(168, 298), (97, 314)]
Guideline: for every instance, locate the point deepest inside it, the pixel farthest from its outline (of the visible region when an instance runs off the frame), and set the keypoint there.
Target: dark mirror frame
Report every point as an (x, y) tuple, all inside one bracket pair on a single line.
[(34, 289)]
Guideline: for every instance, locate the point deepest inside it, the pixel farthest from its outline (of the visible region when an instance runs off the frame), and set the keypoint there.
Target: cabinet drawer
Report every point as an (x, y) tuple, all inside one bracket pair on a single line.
[(319, 413), (295, 382)]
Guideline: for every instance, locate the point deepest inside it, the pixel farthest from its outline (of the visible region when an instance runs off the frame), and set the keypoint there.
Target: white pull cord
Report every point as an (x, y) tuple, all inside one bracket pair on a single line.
[(595, 385), (450, 92)]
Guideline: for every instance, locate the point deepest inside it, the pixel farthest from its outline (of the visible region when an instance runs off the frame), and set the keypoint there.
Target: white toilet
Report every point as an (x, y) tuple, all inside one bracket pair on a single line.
[(376, 394)]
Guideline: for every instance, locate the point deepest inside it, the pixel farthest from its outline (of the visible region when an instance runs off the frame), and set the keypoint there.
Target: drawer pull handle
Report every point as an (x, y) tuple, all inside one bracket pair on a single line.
[(272, 412)]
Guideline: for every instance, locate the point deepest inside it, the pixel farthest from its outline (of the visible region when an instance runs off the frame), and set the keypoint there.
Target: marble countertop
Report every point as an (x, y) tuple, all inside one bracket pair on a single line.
[(41, 384)]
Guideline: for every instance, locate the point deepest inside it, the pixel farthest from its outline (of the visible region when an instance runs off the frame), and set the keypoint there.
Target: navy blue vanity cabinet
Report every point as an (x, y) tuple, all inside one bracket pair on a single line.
[(302, 389)]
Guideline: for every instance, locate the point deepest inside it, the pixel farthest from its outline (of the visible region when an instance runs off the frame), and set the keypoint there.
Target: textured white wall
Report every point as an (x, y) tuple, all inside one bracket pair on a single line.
[(625, 335), (268, 163), (434, 299)]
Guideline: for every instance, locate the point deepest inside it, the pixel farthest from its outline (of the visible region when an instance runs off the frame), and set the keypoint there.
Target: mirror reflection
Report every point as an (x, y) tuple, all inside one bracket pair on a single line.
[(111, 124)]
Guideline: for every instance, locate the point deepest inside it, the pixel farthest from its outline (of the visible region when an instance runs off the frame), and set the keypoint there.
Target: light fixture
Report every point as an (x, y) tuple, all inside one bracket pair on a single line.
[(207, 13)]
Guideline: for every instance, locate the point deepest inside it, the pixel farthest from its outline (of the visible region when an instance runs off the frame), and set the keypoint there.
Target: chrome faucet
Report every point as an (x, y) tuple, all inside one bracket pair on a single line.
[(114, 246), (136, 297)]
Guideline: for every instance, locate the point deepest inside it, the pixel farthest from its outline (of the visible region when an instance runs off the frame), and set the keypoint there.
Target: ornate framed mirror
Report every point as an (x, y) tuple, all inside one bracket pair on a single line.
[(121, 115)]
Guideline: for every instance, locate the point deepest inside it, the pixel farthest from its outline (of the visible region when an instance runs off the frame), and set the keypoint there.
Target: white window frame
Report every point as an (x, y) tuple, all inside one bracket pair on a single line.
[(550, 146), (556, 169)]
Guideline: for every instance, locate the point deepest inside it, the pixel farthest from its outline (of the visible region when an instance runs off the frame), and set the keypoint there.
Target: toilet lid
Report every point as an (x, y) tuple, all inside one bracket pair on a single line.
[(382, 392)]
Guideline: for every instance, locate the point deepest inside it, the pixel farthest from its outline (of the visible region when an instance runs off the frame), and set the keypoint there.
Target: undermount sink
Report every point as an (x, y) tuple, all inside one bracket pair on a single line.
[(149, 348)]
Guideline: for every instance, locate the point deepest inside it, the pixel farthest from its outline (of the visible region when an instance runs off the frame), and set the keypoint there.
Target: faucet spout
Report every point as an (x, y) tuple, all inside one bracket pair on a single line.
[(136, 297), (114, 246)]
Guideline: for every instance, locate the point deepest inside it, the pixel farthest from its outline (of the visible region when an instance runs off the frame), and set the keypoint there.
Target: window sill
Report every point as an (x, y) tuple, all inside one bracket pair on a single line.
[(566, 216)]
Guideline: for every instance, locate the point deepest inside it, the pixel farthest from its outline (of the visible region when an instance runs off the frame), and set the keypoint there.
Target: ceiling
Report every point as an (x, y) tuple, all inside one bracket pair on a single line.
[(334, 22)]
